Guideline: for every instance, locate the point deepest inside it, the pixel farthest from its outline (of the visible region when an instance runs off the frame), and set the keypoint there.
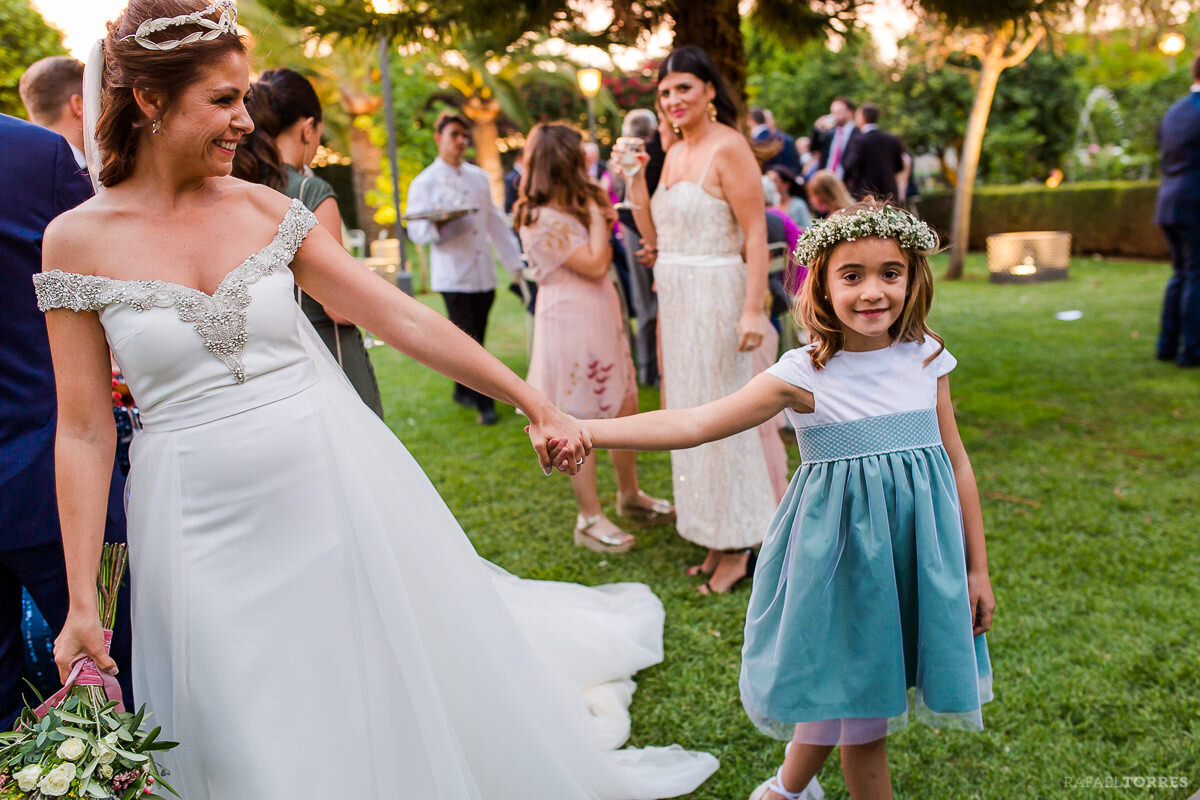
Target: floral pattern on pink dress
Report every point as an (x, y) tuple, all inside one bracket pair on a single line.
[(581, 357)]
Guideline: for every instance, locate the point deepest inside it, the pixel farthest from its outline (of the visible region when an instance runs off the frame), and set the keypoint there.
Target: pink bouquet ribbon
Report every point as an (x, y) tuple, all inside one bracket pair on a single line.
[(86, 673)]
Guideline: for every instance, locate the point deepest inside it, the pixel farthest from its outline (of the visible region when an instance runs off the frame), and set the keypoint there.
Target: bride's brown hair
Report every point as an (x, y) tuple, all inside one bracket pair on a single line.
[(556, 174), (128, 66)]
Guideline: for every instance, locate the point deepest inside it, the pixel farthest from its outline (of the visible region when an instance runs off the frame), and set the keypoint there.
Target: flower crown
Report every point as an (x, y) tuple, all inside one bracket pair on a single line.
[(887, 222), (225, 23)]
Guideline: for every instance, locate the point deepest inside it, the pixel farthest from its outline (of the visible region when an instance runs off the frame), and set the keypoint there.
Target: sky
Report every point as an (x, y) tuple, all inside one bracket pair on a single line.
[(83, 23)]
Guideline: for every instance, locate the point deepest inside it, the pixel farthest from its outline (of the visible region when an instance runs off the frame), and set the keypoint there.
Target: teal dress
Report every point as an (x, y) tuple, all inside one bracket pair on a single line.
[(860, 610), (344, 341)]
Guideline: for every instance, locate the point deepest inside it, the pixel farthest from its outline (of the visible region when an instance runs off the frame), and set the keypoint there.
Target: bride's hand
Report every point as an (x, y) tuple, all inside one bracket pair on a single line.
[(560, 441), (752, 329), (81, 637)]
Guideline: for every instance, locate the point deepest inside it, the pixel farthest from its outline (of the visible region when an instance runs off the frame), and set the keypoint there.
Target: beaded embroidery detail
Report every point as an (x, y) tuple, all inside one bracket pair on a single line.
[(219, 318)]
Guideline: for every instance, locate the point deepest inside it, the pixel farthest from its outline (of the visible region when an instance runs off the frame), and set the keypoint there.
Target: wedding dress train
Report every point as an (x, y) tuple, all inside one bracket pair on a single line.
[(309, 619)]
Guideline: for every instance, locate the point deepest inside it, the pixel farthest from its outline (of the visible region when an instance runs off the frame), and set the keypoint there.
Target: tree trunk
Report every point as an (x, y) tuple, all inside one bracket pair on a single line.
[(716, 27), (486, 134), (365, 159), (968, 163)]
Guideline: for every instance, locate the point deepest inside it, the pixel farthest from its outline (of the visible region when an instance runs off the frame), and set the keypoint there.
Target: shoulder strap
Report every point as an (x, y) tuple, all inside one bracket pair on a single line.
[(707, 167)]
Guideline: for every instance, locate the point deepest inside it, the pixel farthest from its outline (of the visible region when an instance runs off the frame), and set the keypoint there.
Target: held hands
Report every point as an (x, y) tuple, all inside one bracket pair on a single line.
[(560, 441), (751, 330), (983, 603), (81, 637)]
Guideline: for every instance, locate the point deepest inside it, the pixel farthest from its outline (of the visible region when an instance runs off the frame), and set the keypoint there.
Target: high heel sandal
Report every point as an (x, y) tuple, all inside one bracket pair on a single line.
[(775, 784), (751, 561), (659, 510), (607, 543)]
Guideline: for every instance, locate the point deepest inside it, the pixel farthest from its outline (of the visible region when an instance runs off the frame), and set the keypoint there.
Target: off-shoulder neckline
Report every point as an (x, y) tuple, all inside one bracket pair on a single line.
[(294, 208)]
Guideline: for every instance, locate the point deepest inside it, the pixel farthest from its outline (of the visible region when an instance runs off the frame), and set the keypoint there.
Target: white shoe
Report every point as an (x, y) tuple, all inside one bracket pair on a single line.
[(775, 784)]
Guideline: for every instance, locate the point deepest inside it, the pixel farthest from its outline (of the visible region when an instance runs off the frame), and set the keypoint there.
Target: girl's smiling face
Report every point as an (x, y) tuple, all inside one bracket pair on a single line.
[(868, 286)]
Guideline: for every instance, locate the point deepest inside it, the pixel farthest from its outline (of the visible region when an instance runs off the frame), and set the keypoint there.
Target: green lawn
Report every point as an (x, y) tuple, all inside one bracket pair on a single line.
[(1085, 451)]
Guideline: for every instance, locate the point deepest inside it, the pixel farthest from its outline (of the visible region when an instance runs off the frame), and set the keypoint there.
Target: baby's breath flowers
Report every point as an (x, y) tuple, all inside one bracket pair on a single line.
[(887, 222)]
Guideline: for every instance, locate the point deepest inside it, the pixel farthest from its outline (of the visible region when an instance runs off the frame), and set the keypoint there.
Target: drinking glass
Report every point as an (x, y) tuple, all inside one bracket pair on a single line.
[(630, 147)]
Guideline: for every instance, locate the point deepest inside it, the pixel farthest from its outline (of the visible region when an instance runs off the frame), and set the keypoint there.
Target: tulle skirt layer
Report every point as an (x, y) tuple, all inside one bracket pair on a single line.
[(310, 621)]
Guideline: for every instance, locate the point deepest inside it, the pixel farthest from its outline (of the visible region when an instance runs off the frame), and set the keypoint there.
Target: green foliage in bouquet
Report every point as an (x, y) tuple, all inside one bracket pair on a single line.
[(81, 745)]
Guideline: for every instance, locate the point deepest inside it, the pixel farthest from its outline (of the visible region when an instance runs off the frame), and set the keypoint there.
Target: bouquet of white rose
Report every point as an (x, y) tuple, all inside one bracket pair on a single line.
[(81, 743)]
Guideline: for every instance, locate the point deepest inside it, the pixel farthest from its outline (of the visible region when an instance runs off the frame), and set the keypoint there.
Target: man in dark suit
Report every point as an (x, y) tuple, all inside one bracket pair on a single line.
[(1178, 212), (41, 180), (778, 146), (512, 181), (873, 158), (840, 137)]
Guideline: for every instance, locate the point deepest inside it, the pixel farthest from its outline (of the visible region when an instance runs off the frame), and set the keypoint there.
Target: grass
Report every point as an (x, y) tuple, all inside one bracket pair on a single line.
[(1085, 449)]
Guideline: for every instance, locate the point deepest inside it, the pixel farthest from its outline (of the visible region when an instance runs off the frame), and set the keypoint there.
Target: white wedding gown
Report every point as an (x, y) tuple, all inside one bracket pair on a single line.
[(309, 619)]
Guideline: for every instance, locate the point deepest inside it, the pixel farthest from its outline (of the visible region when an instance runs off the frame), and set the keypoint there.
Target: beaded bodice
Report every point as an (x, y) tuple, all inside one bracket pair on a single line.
[(690, 221), (219, 318)]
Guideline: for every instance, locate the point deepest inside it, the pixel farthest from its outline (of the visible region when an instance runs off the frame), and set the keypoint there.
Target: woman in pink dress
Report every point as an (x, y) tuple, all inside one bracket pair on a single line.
[(581, 354)]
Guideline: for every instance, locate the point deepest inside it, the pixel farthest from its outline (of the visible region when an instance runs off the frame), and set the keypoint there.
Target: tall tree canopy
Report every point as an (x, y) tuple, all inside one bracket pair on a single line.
[(24, 38)]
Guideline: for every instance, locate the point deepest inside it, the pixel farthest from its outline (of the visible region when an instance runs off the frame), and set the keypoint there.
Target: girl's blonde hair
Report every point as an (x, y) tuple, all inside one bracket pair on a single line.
[(827, 187), (815, 312)]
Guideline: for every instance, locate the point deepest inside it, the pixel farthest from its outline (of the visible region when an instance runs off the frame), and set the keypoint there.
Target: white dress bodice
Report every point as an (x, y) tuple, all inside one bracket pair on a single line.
[(245, 332), (690, 221)]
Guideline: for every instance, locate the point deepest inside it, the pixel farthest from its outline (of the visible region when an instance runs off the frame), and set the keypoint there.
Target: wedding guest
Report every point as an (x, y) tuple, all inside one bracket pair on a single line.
[(844, 132), (287, 130), (512, 180), (874, 158), (461, 265), (1178, 212), (827, 193), (41, 180), (52, 92), (580, 353), (709, 204), (791, 195), (642, 123)]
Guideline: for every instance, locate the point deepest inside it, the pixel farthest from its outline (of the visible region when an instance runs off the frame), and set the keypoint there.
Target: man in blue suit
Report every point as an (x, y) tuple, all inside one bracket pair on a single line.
[(41, 180), (1178, 212)]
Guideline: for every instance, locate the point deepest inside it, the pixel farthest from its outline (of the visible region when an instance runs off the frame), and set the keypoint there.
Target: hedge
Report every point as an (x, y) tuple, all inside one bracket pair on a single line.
[(1108, 217)]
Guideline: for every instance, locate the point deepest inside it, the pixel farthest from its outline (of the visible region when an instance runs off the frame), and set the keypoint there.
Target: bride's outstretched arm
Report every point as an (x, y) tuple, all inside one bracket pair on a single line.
[(335, 278), (83, 456)]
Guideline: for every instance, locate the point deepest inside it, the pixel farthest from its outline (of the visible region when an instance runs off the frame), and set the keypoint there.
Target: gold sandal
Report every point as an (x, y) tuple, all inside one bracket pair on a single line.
[(601, 544), (659, 510)]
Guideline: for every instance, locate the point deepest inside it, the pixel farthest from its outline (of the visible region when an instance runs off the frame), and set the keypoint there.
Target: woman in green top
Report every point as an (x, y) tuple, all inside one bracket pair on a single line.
[(287, 131)]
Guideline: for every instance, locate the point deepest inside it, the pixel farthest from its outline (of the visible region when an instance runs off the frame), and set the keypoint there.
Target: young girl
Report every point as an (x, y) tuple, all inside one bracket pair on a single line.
[(580, 353), (873, 579)]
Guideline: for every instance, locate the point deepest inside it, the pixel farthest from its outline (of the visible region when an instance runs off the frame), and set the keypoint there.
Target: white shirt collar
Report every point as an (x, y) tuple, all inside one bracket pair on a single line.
[(870, 126), (80, 159), (1196, 86)]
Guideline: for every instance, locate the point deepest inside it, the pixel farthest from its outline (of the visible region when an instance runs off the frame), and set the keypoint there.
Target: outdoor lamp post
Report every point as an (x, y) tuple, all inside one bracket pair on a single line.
[(1172, 44), (589, 85), (389, 119)]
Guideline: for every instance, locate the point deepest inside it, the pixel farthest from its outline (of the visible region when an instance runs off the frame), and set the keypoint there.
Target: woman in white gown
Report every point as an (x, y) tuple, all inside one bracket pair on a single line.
[(709, 202), (309, 619)]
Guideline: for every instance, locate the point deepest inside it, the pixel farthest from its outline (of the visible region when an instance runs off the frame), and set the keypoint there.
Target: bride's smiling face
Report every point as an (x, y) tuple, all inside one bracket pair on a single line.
[(203, 126)]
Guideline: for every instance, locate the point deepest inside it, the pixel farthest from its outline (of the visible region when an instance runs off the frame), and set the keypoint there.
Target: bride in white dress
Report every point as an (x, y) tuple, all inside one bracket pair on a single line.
[(309, 619)]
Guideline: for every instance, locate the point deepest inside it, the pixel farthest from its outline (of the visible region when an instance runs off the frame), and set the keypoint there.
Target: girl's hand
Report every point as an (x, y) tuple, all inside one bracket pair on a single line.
[(751, 330), (983, 603), (81, 637), (560, 441)]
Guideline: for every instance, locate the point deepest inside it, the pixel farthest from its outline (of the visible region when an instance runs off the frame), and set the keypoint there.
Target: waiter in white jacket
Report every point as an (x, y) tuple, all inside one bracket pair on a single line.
[(461, 262)]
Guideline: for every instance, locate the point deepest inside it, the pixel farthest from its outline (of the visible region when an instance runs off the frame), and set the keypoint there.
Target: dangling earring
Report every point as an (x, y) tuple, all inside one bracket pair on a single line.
[(156, 127), (712, 111)]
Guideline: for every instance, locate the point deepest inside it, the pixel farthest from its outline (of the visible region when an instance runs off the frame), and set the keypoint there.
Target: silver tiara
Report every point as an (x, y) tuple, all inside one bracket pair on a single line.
[(225, 23)]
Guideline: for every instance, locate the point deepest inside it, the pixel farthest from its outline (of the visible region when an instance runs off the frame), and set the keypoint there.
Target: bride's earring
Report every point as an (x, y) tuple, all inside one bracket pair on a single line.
[(156, 127), (712, 111)]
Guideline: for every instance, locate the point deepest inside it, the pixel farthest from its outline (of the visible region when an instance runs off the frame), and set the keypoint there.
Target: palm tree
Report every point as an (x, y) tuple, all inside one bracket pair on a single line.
[(489, 87)]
